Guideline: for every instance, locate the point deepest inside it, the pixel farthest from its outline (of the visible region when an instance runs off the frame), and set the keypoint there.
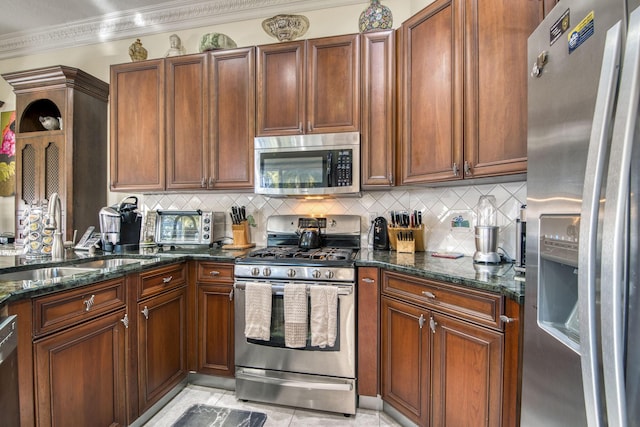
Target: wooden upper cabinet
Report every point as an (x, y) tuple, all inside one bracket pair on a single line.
[(232, 120), (187, 92), (496, 73), (333, 88), (431, 147), (464, 103), (310, 86), (280, 88), (138, 126), (378, 113)]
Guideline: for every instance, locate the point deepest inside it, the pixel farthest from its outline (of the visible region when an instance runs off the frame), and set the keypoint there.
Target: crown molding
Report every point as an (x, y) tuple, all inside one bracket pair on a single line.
[(161, 18)]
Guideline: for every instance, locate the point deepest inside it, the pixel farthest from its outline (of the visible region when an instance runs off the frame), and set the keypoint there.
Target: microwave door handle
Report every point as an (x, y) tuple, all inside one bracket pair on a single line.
[(329, 169)]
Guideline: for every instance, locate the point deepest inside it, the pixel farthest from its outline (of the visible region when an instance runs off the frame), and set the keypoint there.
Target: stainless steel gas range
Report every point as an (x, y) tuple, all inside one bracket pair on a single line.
[(307, 376)]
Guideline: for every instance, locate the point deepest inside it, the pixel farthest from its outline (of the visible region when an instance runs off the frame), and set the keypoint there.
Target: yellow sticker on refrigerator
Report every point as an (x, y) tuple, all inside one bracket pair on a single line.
[(581, 32)]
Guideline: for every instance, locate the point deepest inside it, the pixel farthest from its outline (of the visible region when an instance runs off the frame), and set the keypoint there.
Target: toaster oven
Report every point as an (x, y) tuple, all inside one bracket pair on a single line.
[(189, 227)]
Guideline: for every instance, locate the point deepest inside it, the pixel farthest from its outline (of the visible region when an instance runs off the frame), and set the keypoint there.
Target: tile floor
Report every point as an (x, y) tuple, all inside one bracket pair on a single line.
[(277, 416)]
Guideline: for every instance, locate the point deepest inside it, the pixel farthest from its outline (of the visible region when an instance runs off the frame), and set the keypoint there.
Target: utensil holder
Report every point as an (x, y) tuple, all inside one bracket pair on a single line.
[(418, 238), (241, 233)]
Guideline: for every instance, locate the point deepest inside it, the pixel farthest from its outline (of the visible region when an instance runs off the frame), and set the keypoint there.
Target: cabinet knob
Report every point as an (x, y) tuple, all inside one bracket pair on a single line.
[(432, 324), (368, 280), (166, 280), (203, 182), (145, 312), (214, 273), (421, 321), (455, 169)]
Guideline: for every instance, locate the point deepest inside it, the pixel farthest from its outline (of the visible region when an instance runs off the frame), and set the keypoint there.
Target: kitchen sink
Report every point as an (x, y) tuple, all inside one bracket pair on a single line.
[(111, 262), (44, 274)]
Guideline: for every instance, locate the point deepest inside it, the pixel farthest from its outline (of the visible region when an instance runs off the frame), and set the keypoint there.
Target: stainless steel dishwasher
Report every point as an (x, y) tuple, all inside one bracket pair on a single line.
[(9, 401)]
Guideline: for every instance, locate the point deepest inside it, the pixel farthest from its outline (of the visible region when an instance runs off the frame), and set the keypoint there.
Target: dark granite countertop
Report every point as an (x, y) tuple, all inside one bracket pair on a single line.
[(459, 271)]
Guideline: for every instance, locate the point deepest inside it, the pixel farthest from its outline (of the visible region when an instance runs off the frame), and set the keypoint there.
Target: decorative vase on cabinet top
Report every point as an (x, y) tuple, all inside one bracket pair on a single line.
[(376, 17)]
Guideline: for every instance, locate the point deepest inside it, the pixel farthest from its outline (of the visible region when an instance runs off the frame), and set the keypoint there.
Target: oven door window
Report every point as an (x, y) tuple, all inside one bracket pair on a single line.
[(180, 228), (301, 169), (277, 327)]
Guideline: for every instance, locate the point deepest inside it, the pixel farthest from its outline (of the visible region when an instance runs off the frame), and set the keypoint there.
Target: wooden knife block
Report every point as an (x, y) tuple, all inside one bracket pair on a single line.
[(241, 233), (407, 246), (241, 237)]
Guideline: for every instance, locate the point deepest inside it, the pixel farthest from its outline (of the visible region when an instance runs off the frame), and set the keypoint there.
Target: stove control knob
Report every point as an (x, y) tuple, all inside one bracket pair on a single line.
[(329, 274), (255, 271), (316, 274), (291, 272), (266, 271)]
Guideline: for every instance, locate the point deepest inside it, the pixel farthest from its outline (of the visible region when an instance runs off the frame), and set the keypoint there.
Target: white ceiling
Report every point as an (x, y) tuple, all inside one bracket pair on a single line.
[(31, 26)]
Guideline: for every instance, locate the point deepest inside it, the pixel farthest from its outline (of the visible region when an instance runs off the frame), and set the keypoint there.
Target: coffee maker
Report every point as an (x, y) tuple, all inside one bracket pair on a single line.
[(120, 226), (486, 232)]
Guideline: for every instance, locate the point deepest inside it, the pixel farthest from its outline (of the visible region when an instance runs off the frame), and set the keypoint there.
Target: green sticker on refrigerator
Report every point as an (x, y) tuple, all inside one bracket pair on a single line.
[(581, 32)]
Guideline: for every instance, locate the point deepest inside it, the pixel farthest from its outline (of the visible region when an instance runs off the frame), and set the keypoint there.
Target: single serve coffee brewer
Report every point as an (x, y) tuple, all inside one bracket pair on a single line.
[(120, 226)]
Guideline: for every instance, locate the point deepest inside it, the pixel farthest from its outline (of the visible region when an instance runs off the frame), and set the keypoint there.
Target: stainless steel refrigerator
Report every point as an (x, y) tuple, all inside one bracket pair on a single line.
[(581, 354)]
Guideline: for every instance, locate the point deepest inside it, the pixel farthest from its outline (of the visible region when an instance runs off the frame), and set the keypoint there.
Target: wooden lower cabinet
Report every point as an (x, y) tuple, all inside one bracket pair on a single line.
[(80, 374), (162, 345), (215, 324), (441, 369), (466, 376), (405, 359)]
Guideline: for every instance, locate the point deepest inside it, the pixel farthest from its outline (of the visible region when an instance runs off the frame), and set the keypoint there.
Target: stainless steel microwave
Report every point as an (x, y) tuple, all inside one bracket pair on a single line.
[(308, 165), (189, 227)]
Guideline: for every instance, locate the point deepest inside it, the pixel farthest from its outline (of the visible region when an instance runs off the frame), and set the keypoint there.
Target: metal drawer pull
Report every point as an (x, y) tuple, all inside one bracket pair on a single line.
[(231, 295), (167, 279), (429, 294), (214, 273), (368, 280), (145, 312), (421, 321), (125, 321), (89, 302), (432, 324), (507, 319)]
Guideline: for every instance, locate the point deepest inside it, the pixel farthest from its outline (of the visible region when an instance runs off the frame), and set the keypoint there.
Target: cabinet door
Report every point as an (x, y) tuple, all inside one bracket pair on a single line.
[(378, 109), (432, 136), (215, 330), (466, 375), (80, 374), (187, 92), (333, 84), (496, 71), (405, 359), (162, 345), (280, 86), (368, 331), (137, 127), (232, 119)]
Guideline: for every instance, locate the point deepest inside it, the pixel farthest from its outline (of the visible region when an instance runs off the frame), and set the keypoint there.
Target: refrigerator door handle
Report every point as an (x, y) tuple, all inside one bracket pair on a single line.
[(596, 160), (614, 248)]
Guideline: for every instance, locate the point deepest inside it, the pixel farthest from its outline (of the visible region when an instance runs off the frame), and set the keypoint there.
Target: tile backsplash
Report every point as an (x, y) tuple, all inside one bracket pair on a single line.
[(440, 208)]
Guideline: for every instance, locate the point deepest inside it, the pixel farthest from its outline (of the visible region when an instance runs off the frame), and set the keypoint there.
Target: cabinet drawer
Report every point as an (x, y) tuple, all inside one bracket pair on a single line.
[(53, 312), (161, 279), (214, 272), (477, 306)]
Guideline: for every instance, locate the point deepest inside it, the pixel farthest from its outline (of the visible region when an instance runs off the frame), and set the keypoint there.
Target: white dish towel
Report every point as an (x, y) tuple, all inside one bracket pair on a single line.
[(324, 315), (257, 311), (295, 315)]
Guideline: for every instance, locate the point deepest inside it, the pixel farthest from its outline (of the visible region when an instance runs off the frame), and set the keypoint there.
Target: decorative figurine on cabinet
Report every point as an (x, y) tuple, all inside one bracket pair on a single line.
[(176, 48), (137, 52)]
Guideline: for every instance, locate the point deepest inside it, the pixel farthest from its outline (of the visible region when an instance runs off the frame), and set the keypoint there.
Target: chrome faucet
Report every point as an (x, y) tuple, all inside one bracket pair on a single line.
[(54, 222)]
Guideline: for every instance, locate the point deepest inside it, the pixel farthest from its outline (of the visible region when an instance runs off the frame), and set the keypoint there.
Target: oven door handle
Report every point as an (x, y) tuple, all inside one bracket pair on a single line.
[(293, 383), (279, 289)]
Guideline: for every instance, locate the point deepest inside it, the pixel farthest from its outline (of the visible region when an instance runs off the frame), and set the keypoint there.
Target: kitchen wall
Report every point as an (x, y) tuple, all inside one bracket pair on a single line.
[(439, 206), (97, 58)]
